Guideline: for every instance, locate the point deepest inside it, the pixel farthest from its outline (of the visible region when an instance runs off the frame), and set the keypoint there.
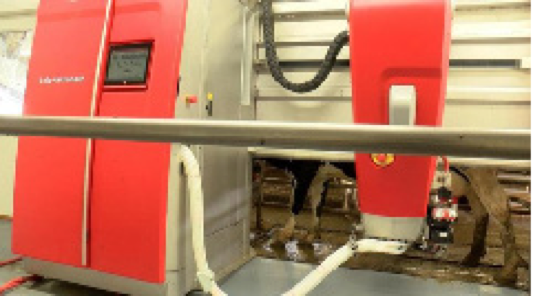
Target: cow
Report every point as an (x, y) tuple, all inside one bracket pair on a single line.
[(480, 186), (488, 199), (310, 179)]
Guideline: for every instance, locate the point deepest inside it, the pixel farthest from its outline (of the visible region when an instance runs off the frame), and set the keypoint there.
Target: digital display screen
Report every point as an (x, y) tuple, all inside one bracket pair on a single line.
[(128, 64)]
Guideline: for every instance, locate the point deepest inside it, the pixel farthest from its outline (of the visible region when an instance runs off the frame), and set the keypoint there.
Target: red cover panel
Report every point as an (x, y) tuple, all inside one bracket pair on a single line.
[(48, 202), (130, 180), (394, 43)]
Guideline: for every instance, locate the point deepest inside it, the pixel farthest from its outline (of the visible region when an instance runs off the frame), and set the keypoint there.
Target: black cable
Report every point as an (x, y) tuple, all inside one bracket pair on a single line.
[(339, 42)]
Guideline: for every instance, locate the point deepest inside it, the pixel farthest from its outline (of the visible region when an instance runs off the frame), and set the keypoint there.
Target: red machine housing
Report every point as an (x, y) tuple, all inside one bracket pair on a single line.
[(99, 205), (401, 42)]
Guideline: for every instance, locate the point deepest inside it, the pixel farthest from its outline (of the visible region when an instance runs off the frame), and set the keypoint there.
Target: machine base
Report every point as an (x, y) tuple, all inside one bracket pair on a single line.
[(101, 280), (176, 284), (408, 229)]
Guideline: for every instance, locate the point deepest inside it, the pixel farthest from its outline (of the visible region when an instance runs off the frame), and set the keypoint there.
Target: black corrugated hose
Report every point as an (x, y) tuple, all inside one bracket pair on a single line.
[(273, 61)]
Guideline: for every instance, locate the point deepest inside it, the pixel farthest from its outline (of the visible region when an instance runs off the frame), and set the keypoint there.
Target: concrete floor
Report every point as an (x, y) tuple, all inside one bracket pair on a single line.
[(272, 277), (5, 240)]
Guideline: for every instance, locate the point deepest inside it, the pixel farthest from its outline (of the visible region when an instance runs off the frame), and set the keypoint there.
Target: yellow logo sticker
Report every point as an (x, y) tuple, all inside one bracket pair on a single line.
[(383, 160)]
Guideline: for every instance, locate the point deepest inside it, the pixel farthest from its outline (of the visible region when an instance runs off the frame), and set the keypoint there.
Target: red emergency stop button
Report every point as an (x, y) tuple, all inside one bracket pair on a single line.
[(382, 160), (191, 99)]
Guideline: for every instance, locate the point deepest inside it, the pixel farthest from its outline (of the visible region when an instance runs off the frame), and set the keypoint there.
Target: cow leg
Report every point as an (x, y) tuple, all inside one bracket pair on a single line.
[(481, 222), (288, 230), (512, 259), (320, 209), (303, 172), (318, 192), (492, 195)]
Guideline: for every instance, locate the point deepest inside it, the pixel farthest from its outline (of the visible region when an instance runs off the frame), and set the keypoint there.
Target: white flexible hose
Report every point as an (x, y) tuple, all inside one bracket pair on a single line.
[(206, 277), (316, 276)]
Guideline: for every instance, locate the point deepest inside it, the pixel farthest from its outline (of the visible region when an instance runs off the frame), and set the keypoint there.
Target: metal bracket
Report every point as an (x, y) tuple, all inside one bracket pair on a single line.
[(379, 246), (402, 105)]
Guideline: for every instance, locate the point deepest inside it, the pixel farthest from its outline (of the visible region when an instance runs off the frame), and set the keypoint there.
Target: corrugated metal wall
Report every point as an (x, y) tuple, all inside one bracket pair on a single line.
[(489, 83)]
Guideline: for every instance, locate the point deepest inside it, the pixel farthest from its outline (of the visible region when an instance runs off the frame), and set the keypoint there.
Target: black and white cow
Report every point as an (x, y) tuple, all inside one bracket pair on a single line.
[(311, 179)]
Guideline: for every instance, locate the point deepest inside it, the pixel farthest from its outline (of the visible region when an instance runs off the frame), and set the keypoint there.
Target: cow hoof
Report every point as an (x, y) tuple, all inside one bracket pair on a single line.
[(310, 238), (506, 279), (284, 236)]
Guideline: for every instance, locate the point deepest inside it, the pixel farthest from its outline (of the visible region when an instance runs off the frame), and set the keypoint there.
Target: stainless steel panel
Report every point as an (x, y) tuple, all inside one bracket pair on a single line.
[(213, 64), (102, 280), (408, 229)]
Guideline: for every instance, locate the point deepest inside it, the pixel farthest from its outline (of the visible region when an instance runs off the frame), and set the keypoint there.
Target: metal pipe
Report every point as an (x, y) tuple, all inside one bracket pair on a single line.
[(505, 144)]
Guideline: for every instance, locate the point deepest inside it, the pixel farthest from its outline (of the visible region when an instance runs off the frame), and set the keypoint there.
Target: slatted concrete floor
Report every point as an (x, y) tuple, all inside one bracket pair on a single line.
[(271, 277)]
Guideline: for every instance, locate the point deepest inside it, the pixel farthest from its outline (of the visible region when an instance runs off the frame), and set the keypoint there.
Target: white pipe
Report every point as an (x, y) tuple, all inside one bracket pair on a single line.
[(206, 277), (313, 279), (194, 184)]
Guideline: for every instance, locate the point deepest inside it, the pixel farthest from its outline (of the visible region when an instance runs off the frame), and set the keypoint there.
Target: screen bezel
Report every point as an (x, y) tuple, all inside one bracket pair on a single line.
[(118, 47)]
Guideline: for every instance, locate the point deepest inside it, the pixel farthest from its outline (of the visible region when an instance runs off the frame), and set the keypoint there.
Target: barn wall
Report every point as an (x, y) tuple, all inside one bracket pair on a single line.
[(17, 20), (493, 33)]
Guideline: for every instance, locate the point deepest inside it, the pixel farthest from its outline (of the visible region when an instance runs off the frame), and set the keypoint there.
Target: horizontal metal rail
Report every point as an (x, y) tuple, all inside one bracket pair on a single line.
[(505, 144)]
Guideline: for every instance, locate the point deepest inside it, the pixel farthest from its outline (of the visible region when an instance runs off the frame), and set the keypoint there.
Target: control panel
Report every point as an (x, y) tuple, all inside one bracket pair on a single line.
[(128, 64)]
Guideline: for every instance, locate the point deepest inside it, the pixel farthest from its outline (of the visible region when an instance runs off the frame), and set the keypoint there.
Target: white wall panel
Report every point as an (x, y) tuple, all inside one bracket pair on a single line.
[(15, 16), (8, 152), (306, 112), (494, 94)]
